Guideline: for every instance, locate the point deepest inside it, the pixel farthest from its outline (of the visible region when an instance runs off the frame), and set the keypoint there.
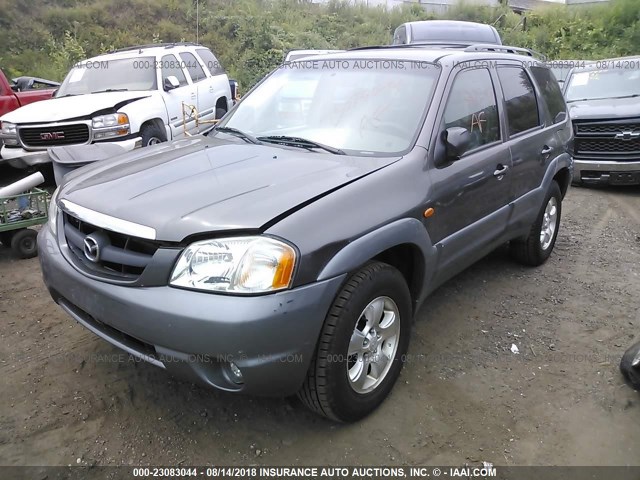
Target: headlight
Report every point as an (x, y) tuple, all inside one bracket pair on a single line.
[(9, 133), (53, 212), (111, 120), (236, 265), (112, 125), (9, 129)]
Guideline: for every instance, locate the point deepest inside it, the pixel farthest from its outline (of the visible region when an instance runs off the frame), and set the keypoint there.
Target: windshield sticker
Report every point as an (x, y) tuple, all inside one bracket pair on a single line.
[(580, 79), (76, 75)]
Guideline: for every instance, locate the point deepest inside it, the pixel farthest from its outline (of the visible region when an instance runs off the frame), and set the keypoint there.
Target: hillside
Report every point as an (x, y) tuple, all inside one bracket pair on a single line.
[(44, 37)]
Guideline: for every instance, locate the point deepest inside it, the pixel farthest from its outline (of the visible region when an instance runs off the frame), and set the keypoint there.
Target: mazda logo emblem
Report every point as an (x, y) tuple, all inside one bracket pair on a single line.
[(91, 249)]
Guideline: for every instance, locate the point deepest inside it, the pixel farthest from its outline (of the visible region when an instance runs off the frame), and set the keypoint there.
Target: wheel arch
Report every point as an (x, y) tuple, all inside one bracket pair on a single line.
[(222, 103), (563, 177), (403, 244), (158, 123)]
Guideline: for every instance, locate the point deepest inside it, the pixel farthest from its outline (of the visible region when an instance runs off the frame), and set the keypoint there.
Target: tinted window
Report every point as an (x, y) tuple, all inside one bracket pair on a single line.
[(472, 105), (210, 61), (171, 66), (520, 99), (550, 91), (193, 67)]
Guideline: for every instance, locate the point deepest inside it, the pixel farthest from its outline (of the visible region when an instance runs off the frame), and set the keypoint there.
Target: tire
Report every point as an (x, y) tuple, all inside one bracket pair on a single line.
[(24, 243), (532, 250), (152, 135), (5, 238), (329, 389), (631, 373), (220, 112)]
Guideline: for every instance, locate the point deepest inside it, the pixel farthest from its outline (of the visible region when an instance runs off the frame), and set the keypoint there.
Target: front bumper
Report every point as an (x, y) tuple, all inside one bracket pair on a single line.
[(606, 172), (18, 157), (195, 335)]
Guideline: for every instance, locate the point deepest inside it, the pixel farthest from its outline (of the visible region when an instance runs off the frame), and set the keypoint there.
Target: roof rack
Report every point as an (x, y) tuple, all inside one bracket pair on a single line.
[(481, 47), (415, 45), (155, 45)]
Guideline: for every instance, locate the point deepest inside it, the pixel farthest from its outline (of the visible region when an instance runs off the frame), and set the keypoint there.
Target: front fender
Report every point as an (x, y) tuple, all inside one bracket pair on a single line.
[(407, 231), (145, 109)]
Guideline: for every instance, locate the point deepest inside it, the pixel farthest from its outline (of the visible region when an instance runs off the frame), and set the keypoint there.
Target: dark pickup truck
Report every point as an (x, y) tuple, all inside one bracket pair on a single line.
[(604, 106)]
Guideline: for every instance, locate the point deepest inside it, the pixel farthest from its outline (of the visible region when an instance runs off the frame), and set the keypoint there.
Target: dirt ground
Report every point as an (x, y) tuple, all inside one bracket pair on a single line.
[(67, 397)]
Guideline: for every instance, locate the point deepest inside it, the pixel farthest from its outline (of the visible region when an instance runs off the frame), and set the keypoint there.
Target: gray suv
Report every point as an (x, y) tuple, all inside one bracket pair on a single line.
[(287, 250)]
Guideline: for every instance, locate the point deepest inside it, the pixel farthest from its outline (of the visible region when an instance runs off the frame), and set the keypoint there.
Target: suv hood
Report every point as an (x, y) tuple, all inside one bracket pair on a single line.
[(67, 108), (202, 184), (605, 109)]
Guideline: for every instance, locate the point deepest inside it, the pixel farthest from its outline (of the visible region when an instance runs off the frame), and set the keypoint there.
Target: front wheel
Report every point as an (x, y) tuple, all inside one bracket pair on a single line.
[(362, 345), (536, 248), (152, 135)]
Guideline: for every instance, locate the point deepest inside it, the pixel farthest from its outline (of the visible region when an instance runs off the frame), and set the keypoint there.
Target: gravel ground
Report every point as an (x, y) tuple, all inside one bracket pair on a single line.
[(68, 397)]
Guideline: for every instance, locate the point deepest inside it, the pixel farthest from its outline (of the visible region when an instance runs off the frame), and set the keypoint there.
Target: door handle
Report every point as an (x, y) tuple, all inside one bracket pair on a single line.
[(500, 171), (193, 96), (210, 89), (546, 150)]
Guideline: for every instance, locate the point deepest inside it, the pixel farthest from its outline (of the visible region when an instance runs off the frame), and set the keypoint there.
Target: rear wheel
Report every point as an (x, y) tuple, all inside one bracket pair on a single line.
[(220, 112), (536, 248), (25, 243), (362, 345)]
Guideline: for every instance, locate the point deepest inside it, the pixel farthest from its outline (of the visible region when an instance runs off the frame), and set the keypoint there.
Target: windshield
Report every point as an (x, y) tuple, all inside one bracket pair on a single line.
[(599, 84), (364, 107), (123, 74)]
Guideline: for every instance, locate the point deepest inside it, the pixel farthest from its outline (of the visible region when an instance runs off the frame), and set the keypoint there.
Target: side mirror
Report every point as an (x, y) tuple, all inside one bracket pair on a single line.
[(560, 117), (170, 83), (457, 141)]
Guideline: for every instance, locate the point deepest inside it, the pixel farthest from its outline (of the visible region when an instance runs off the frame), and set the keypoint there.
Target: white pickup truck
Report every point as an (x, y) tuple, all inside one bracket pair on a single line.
[(132, 97)]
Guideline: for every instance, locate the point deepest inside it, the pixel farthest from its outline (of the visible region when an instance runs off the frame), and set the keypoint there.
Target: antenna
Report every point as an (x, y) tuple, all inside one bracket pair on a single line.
[(197, 21)]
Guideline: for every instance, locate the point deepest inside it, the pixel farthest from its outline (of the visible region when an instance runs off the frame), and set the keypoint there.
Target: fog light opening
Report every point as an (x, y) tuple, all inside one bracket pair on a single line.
[(235, 373)]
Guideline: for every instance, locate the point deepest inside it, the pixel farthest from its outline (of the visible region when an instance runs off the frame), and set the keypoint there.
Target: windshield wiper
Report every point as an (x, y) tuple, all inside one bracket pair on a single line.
[(603, 98), (112, 90), (300, 142), (238, 133)]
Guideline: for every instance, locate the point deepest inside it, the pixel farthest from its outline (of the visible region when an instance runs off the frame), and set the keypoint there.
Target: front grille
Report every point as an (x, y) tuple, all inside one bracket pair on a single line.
[(54, 136), (121, 256), (584, 128), (615, 139), (608, 145)]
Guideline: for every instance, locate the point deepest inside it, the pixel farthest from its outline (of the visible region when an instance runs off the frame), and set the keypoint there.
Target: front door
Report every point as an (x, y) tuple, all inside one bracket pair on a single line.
[(178, 100), (471, 194)]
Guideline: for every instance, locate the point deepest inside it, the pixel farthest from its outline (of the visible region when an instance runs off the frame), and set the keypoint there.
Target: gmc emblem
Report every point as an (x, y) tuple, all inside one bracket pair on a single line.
[(52, 136)]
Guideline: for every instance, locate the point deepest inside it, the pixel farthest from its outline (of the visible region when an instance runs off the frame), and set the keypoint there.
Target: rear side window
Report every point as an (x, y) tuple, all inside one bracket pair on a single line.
[(400, 35), (193, 67), (210, 61), (550, 91), (171, 67), (472, 105), (520, 99)]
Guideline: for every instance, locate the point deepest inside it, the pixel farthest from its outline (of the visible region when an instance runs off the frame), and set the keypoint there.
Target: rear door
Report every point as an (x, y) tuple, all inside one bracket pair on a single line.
[(177, 101), (532, 134), (205, 98), (471, 195)]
